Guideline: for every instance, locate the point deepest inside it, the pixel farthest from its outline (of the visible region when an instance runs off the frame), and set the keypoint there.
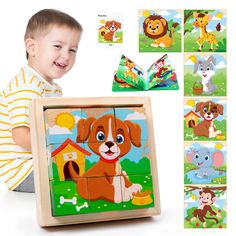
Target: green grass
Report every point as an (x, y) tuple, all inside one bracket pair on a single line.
[(118, 34), (190, 44), (210, 223), (138, 173), (219, 79), (67, 189), (220, 125), (145, 44)]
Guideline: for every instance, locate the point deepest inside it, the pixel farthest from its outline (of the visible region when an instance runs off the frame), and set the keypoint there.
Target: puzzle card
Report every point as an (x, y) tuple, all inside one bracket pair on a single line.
[(110, 29), (205, 74), (160, 30), (205, 30)]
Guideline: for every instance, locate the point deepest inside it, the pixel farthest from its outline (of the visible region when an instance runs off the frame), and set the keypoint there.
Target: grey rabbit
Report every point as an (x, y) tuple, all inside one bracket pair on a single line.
[(205, 69)]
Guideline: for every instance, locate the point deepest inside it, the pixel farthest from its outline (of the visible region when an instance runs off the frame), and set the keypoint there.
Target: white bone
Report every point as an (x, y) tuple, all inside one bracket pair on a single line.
[(189, 135), (85, 205), (195, 138), (72, 200)]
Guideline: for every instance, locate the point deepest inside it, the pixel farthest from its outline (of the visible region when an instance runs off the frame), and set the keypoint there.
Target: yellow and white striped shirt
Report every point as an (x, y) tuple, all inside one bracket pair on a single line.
[(15, 161)]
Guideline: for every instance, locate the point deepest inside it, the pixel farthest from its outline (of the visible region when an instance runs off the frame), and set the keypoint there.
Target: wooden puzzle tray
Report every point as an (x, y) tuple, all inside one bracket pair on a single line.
[(94, 159)]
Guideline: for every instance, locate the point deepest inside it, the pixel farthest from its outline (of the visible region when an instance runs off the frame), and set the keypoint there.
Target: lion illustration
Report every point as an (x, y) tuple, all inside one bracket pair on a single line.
[(156, 27)]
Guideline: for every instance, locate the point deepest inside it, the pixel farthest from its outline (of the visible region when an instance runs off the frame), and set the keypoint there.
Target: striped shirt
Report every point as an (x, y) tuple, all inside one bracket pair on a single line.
[(15, 161)]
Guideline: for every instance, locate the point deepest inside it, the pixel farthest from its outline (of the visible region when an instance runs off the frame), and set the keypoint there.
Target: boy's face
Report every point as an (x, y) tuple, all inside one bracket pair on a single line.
[(54, 53)]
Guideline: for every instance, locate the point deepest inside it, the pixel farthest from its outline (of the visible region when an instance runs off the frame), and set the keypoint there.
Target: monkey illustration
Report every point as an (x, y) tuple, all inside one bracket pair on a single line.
[(206, 198)]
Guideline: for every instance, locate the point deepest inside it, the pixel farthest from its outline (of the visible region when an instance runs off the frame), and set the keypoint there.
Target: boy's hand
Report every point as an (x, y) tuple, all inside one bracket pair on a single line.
[(21, 136)]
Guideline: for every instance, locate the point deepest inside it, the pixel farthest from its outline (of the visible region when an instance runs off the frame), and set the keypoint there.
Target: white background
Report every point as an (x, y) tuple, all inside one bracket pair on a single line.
[(92, 76)]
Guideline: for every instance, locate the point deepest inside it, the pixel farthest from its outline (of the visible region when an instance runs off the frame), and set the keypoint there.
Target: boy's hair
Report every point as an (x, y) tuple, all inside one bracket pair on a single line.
[(39, 23)]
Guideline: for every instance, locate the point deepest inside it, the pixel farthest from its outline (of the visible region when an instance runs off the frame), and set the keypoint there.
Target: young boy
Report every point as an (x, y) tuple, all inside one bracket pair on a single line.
[(51, 42)]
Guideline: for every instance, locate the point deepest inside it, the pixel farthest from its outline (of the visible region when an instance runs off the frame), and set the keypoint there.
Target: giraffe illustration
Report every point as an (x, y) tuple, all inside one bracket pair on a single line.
[(201, 21)]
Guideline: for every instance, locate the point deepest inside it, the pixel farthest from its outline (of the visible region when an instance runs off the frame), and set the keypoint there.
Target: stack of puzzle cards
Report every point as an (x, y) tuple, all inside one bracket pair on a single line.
[(110, 29), (205, 107), (131, 77), (94, 159)]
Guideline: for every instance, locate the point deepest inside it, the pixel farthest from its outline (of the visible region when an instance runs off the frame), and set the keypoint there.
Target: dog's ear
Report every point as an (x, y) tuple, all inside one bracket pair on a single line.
[(199, 106), (83, 129), (119, 25), (134, 133), (107, 23), (220, 108)]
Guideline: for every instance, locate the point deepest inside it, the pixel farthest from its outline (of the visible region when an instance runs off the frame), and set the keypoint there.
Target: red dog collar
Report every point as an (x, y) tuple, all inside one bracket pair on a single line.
[(109, 161)]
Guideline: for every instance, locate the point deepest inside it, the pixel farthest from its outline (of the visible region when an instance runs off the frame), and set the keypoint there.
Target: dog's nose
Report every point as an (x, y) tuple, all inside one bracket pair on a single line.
[(208, 113), (109, 144)]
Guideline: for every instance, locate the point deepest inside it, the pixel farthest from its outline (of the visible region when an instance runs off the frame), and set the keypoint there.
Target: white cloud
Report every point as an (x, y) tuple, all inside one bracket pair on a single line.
[(189, 200), (77, 118), (178, 16), (164, 13), (188, 107), (223, 149), (214, 18), (221, 65), (58, 130), (223, 28), (209, 145), (189, 62), (223, 102), (136, 116)]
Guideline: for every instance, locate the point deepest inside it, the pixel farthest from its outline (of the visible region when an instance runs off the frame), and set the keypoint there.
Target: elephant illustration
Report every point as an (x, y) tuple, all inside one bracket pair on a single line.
[(205, 159)]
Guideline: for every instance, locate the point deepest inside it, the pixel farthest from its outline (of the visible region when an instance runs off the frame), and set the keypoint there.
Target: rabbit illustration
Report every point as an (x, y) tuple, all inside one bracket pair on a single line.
[(205, 69)]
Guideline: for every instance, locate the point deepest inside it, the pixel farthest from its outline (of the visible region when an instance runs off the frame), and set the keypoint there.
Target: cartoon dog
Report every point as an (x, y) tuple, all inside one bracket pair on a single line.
[(110, 138), (209, 111), (112, 27), (205, 159), (156, 27), (205, 69)]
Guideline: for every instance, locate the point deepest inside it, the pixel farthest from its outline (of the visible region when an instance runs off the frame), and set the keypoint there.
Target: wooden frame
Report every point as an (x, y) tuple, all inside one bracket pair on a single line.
[(38, 138)]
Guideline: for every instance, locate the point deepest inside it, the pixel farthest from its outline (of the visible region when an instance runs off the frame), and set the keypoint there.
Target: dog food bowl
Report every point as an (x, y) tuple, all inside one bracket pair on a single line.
[(220, 137), (142, 198)]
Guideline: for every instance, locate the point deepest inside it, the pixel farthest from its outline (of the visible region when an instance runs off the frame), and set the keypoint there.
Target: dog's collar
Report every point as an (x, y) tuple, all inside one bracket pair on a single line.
[(209, 120), (109, 161)]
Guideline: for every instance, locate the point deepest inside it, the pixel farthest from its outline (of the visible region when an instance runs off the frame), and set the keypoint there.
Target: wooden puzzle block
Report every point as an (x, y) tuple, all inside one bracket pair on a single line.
[(138, 160), (205, 163), (61, 155), (135, 120), (139, 192), (205, 119), (90, 118), (205, 206), (201, 34), (61, 124), (205, 74), (66, 200), (87, 166), (105, 194), (155, 38)]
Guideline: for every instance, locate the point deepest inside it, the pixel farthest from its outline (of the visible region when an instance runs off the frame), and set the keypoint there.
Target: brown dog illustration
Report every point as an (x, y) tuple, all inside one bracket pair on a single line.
[(110, 138), (112, 27), (208, 111)]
